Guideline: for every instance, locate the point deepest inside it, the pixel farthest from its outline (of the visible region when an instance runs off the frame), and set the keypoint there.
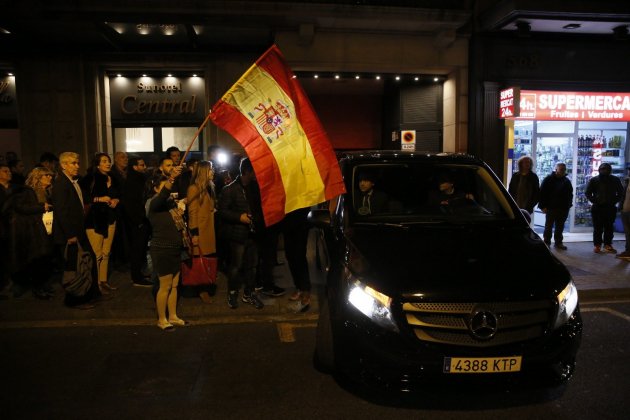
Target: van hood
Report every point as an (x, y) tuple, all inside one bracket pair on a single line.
[(456, 263)]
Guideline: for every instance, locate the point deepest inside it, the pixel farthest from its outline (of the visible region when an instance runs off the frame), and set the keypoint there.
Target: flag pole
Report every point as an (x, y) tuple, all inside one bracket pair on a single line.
[(205, 122)]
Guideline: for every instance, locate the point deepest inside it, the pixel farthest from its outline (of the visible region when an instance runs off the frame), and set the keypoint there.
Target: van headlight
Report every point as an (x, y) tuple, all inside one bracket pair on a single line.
[(373, 304), (567, 302)]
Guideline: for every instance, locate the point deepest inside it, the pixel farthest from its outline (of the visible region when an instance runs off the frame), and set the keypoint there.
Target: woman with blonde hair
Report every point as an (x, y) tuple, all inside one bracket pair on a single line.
[(200, 202), (31, 256)]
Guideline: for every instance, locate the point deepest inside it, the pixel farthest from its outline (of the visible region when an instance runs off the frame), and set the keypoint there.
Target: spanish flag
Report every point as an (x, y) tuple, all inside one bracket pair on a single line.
[(268, 113)]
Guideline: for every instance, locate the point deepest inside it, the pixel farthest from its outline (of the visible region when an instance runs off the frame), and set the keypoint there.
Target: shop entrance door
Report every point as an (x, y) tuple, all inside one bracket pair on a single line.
[(549, 151)]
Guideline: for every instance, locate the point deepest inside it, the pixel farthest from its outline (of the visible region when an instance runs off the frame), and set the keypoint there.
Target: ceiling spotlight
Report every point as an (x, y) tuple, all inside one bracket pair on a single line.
[(357, 77), (397, 78), (119, 75), (195, 75), (9, 74), (378, 77), (572, 26), (316, 76), (337, 76), (436, 79), (294, 76), (416, 78), (144, 75), (169, 75)]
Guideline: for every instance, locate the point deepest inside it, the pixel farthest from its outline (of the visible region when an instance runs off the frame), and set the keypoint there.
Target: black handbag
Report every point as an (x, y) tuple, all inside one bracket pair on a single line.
[(77, 275)]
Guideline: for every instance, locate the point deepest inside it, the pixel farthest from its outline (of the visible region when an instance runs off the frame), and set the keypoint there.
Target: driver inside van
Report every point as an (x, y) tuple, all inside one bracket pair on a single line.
[(369, 200), (448, 194)]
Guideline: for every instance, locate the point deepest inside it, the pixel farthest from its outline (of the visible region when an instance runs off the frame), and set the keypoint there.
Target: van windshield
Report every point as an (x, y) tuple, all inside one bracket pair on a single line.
[(426, 192)]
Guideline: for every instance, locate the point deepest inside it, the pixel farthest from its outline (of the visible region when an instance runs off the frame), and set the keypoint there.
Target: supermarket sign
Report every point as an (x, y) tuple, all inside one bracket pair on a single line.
[(573, 106)]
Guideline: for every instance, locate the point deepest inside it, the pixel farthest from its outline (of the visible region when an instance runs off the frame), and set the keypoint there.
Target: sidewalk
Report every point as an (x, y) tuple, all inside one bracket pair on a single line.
[(599, 277)]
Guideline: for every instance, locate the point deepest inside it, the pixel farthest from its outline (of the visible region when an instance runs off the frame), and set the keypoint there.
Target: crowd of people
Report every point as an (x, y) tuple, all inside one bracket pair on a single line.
[(607, 193), (139, 218)]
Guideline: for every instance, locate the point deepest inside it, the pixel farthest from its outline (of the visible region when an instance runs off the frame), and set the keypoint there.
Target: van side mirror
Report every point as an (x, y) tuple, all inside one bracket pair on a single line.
[(319, 218)]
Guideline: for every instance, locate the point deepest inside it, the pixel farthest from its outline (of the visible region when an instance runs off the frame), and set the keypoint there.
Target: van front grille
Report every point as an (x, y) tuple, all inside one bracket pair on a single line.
[(456, 323)]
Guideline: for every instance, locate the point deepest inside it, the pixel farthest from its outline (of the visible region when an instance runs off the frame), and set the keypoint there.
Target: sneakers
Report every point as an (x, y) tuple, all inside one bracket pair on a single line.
[(625, 255), (274, 291), (610, 249), (560, 246), (142, 283), (232, 299), (253, 300), (301, 306), (597, 249)]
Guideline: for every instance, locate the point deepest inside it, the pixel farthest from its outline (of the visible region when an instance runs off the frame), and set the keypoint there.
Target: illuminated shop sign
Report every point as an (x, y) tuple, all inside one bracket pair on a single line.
[(509, 105), (574, 106), (147, 99)]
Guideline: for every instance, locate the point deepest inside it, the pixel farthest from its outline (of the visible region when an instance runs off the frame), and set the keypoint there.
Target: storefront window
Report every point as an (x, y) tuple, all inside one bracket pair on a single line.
[(134, 139), (179, 137)]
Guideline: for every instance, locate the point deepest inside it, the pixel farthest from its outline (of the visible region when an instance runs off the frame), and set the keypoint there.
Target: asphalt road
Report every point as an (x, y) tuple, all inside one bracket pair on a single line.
[(264, 370)]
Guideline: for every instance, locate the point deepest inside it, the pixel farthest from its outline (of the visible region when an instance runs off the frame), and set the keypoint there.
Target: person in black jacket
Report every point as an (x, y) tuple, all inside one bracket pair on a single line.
[(524, 186), (166, 246), (235, 209), (604, 191), (31, 247), (69, 223), (102, 193), (134, 199), (556, 198)]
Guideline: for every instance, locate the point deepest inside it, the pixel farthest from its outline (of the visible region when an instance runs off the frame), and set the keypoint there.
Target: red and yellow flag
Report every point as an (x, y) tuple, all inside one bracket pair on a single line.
[(268, 113)]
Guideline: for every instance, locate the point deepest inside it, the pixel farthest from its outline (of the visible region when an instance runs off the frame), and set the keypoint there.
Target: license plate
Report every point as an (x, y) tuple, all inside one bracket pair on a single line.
[(482, 364)]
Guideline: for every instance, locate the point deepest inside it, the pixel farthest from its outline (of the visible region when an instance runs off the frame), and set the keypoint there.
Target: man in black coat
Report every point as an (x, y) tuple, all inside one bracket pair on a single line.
[(135, 215), (69, 223), (604, 191), (235, 210), (556, 198)]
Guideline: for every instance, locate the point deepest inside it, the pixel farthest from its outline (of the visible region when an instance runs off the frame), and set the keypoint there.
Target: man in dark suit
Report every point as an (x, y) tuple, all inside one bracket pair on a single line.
[(135, 216), (68, 223)]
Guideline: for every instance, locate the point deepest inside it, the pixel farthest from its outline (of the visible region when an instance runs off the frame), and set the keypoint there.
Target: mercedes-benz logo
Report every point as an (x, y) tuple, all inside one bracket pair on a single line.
[(483, 324)]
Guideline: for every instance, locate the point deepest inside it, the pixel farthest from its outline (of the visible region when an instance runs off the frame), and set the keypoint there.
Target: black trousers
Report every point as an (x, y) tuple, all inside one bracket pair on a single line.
[(139, 246), (295, 233), (603, 223), (242, 268), (267, 242), (557, 218)]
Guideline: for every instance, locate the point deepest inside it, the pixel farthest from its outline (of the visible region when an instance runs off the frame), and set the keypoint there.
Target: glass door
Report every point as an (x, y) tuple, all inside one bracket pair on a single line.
[(551, 150)]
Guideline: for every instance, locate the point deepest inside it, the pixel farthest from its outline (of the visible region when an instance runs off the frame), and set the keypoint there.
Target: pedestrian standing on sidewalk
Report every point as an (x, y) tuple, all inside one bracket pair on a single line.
[(31, 256), (238, 227), (625, 217), (102, 193), (166, 247), (604, 191), (201, 201), (524, 186), (556, 198), (135, 215), (69, 224)]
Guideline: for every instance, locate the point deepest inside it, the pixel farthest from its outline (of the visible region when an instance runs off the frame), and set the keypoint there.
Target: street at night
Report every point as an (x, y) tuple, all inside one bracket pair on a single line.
[(265, 370)]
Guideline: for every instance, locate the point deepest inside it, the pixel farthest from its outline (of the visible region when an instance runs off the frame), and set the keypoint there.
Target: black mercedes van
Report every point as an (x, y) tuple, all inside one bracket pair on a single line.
[(434, 272)]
